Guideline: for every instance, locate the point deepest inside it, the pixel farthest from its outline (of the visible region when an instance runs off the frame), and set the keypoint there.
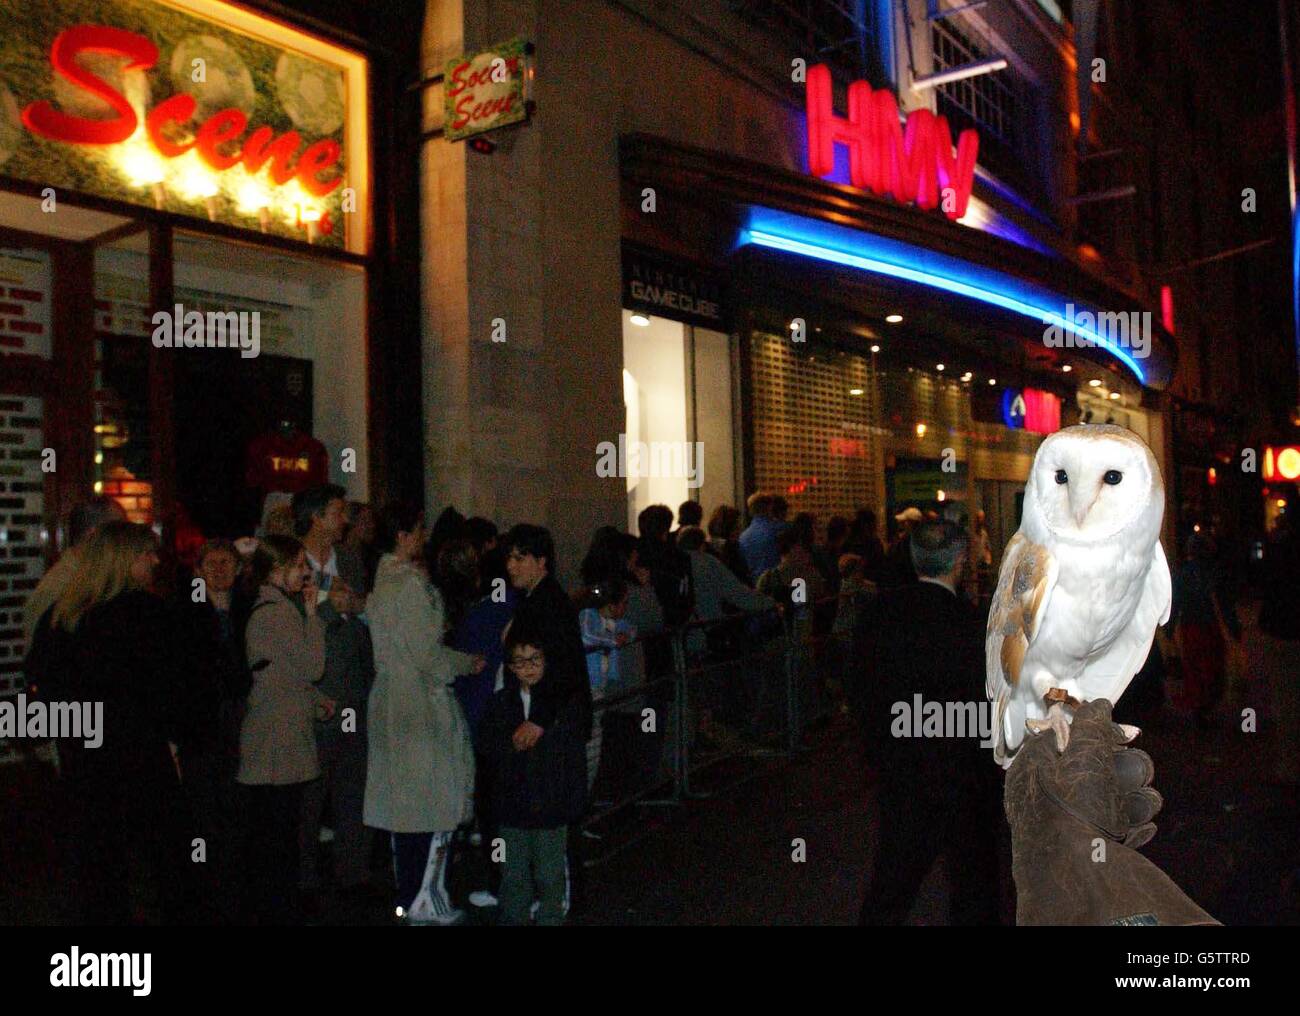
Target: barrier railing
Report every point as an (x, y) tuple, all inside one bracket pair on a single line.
[(743, 687)]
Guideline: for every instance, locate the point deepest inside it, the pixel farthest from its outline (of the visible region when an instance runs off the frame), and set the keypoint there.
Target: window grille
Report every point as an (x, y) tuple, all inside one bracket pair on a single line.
[(842, 33)]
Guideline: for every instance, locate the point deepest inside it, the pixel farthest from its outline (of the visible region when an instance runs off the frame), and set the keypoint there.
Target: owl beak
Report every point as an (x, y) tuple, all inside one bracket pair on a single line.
[(1081, 501)]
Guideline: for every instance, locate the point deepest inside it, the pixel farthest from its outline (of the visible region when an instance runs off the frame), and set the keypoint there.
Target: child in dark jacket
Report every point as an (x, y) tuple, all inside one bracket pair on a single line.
[(534, 734)]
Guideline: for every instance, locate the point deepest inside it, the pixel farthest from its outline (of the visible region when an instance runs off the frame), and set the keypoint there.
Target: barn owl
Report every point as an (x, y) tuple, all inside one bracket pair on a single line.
[(1082, 585)]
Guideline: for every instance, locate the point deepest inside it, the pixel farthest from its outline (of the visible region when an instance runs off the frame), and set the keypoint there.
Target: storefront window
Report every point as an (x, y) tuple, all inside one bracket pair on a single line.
[(25, 284), (22, 529), (816, 426), (677, 391), (251, 430), (288, 380), (253, 383), (124, 467), (835, 432)]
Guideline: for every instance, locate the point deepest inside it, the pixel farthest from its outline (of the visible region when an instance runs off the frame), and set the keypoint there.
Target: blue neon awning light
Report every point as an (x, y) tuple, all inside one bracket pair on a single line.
[(883, 256)]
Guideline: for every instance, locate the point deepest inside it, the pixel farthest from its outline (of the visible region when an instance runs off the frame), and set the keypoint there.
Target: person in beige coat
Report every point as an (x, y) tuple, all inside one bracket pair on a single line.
[(420, 770), (285, 645)]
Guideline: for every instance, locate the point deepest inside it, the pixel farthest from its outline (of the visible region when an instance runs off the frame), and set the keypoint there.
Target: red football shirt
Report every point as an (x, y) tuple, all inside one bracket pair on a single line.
[(289, 463)]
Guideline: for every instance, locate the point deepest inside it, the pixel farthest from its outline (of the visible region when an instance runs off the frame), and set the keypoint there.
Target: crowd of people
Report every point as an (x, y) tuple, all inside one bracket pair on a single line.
[(362, 671)]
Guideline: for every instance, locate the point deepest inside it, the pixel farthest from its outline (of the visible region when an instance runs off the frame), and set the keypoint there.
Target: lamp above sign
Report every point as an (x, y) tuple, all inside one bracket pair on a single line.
[(486, 90), (912, 165)]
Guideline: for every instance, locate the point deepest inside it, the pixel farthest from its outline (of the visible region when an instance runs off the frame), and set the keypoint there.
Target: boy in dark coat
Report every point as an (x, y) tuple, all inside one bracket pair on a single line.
[(534, 734)]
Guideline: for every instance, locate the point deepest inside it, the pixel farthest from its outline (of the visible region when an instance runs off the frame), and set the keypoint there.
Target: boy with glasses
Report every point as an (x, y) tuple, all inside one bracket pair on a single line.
[(534, 734)]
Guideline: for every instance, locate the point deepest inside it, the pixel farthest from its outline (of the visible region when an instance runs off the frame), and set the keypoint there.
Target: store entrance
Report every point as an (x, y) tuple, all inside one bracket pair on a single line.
[(194, 439), (224, 404), (253, 390)]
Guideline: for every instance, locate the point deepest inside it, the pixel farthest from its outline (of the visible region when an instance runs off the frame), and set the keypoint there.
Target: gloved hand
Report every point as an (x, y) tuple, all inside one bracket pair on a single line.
[(1077, 818)]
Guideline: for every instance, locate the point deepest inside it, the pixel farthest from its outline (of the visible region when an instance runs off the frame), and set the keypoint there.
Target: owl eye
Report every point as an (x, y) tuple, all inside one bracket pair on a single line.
[(1062, 476), (1112, 477)]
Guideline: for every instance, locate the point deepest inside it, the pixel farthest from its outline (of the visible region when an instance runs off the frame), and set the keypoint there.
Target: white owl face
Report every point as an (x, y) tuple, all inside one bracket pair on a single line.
[(1093, 481)]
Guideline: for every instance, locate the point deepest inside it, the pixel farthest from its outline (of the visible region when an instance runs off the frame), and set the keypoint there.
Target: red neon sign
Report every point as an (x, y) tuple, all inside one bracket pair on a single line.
[(1042, 411), (1167, 308), (916, 165), (1282, 464), (220, 129)]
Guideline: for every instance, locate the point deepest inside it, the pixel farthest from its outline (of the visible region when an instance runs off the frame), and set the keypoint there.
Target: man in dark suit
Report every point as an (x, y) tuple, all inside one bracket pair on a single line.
[(920, 696)]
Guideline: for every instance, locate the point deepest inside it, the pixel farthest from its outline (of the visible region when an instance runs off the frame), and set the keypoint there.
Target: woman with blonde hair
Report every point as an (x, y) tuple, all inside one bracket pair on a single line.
[(285, 644), (108, 639)]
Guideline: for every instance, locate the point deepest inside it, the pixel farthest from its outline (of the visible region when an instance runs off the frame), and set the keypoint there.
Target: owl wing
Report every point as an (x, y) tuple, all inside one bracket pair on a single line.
[(1025, 583), (1110, 675)]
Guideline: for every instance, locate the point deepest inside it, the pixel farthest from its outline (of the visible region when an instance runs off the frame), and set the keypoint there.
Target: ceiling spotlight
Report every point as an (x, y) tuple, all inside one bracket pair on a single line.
[(894, 319), (1114, 395), (967, 376), (640, 319), (920, 430), (875, 349), (855, 391), (993, 380), (1094, 383), (1066, 368)]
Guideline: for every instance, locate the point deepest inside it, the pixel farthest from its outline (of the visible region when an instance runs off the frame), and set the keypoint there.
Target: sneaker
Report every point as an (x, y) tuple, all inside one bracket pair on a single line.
[(453, 917), (482, 898), (422, 912)]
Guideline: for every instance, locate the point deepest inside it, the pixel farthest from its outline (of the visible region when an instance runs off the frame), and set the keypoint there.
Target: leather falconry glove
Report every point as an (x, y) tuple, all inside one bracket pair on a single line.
[(1077, 818)]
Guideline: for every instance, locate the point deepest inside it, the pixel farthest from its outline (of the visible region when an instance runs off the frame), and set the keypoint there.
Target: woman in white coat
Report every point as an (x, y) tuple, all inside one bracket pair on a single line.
[(420, 773)]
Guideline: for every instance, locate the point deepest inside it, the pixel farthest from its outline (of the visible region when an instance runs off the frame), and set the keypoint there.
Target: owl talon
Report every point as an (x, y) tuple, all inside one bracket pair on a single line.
[(1057, 722), (1130, 731)]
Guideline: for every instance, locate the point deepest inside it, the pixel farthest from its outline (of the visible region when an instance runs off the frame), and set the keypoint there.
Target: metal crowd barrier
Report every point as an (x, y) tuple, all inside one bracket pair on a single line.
[(717, 699)]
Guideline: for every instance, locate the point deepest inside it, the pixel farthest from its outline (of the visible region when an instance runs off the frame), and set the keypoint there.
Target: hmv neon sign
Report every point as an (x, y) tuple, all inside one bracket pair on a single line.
[(912, 164)]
